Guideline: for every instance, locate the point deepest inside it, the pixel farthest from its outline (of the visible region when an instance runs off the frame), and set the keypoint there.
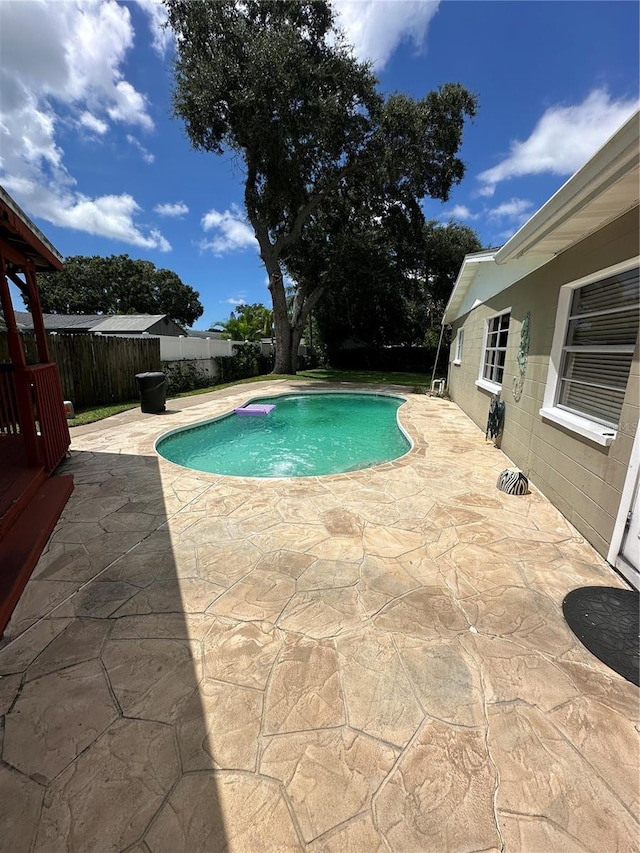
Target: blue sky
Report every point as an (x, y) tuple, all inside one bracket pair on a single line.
[(89, 149)]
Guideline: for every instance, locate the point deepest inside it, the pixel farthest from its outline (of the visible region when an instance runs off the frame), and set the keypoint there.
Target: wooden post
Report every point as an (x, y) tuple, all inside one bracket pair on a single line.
[(14, 341), (22, 383), (36, 313)]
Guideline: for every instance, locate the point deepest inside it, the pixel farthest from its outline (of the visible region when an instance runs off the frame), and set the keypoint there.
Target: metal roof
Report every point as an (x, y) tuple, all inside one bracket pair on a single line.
[(128, 323), (72, 322)]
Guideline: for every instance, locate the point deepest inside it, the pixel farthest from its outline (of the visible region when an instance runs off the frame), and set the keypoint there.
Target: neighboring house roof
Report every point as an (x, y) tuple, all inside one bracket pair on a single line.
[(53, 322), (128, 323), (605, 188), (203, 335), (103, 323)]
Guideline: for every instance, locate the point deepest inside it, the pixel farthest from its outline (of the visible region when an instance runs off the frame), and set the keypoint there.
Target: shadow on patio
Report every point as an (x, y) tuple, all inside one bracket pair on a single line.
[(105, 735)]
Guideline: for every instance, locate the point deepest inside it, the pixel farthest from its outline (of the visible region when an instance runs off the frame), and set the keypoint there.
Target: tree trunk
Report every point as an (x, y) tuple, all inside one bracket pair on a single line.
[(285, 362)]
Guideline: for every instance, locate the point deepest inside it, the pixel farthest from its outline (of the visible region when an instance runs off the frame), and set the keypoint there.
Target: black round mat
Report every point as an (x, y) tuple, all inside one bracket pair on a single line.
[(607, 621)]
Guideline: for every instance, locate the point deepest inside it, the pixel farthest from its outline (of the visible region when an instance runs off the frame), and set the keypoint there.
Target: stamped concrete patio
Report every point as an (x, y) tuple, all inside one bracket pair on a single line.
[(375, 661)]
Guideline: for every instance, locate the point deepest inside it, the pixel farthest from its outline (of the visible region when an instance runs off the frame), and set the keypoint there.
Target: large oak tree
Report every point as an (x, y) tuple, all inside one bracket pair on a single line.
[(274, 82)]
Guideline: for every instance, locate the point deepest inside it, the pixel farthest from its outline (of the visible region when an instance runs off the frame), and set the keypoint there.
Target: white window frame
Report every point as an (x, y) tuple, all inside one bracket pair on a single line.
[(582, 425), (459, 346), (481, 382)]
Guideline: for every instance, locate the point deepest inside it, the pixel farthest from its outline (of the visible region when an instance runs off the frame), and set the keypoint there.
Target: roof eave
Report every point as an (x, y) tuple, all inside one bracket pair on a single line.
[(616, 158), (42, 252), (468, 272)]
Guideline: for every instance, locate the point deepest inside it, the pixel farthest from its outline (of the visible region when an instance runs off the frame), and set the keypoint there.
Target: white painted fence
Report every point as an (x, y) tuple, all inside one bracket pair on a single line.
[(193, 349), (201, 352)]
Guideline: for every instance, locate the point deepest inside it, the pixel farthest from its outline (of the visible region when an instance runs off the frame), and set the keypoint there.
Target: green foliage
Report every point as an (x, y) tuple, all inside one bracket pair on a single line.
[(247, 323), (117, 284), (391, 278), (274, 82), (328, 374), (247, 361), (185, 376)]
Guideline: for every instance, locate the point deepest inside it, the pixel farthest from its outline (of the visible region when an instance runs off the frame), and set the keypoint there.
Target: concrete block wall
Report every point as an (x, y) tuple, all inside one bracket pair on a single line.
[(583, 479)]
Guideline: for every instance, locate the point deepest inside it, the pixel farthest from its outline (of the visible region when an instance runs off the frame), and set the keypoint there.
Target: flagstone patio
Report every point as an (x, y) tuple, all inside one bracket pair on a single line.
[(375, 661)]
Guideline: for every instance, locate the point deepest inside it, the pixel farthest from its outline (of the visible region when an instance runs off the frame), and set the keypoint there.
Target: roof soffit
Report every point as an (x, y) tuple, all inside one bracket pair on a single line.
[(605, 188)]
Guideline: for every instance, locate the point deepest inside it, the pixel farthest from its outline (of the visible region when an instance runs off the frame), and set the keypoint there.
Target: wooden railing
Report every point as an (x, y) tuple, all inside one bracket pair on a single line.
[(31, 404), (9, 419), (48, 400)]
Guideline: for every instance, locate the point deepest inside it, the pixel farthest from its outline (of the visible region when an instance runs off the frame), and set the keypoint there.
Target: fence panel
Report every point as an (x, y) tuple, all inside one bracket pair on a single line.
[(175, 349), (95, 369)]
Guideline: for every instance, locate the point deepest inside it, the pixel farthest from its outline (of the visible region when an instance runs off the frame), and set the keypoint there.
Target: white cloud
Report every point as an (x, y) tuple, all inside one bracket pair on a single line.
[(486, 191), (147, 156), (563, 139), (74, 76), (515, 208), (168, 209), (231, 231), (233, 301), (157, 14), (93, 123), (107, 216), (129, 106), (462, 212), (376, 29), (79, 62)]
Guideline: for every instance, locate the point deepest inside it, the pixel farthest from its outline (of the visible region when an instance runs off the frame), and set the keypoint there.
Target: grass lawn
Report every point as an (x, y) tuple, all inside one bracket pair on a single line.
[(414, 380), (421, 380)]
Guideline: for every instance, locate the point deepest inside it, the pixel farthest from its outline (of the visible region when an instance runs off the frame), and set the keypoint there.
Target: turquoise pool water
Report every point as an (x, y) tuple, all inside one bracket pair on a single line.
[(305, 435)]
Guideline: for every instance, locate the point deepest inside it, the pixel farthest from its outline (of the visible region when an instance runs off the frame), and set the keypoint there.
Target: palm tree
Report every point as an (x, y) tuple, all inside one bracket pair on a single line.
[(251, 323)]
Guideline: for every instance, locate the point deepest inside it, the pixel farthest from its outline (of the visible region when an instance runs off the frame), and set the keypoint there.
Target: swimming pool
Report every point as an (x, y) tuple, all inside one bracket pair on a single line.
[(305, 435)]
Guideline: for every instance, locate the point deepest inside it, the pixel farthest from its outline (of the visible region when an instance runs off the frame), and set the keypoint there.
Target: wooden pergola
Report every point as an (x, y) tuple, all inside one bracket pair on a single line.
[(34, 436)]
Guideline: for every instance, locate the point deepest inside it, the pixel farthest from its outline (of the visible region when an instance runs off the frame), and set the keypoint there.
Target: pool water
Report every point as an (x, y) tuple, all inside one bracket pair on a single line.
[(305, 435)]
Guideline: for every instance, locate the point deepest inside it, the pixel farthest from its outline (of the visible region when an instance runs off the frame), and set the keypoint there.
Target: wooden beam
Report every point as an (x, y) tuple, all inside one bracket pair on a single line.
[(11, 254), (19, 283), (14, 340), (36, 313), (35, 246)]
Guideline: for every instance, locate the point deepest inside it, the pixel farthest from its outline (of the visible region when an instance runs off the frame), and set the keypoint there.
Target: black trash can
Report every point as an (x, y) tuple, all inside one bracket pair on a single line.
[(153, 392)]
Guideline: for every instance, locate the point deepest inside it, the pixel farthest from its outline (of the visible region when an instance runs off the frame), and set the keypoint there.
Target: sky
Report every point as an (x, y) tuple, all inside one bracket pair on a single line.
[(90, 150)]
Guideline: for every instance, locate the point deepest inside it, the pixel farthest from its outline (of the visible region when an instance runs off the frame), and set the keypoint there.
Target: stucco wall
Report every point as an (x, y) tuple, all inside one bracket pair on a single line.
[(583, 479)]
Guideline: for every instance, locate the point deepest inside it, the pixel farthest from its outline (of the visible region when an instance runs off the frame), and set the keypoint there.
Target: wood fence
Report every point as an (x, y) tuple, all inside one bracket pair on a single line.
[(95, 369)]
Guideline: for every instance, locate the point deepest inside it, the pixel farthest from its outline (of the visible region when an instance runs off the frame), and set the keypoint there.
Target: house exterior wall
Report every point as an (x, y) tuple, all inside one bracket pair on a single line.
[(583, 479)]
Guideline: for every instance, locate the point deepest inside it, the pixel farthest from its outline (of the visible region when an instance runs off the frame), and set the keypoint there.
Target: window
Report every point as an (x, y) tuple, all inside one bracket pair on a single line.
[(596, 332), (495, 352), (459, 346)]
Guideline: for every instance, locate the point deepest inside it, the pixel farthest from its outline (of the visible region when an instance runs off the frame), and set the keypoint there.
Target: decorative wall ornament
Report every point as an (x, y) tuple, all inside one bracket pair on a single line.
[(495, 421), (522, 357), (513, 482)]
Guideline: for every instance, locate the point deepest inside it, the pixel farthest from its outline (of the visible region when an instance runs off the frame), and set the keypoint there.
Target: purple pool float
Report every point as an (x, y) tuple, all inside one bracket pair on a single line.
[(255, 409)]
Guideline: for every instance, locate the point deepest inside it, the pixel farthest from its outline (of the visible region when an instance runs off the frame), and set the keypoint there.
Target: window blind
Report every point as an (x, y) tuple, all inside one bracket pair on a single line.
[(601, 337)]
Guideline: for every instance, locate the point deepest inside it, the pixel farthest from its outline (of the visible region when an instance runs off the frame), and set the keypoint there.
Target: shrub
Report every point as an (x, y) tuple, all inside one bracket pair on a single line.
[(185, 376), (248, 361)]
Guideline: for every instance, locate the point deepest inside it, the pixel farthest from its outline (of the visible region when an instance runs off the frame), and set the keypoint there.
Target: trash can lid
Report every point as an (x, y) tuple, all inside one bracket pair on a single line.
[(150, 375)]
